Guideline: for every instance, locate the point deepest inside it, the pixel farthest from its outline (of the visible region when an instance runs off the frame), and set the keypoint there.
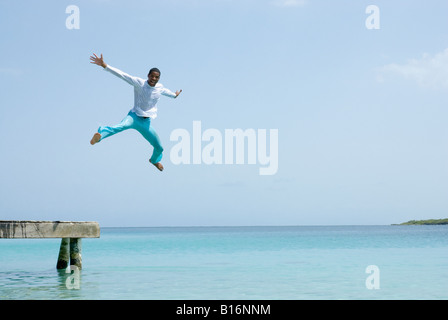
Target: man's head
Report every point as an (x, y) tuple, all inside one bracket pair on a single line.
[(153, 76)]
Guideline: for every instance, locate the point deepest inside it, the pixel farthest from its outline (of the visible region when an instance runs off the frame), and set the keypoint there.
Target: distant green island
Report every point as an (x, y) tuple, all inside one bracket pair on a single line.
[(424, 222)]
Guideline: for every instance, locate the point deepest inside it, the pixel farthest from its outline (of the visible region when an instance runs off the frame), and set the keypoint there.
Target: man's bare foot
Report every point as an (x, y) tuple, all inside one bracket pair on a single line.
[(158, 165), (95, 139)]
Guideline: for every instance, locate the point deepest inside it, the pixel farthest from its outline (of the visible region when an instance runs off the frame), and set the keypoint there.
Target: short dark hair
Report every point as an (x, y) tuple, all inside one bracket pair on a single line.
[(155, 70)]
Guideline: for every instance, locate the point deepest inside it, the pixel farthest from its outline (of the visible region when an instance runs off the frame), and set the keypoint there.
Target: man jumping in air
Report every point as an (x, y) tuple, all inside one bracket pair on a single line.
[(146, 95)]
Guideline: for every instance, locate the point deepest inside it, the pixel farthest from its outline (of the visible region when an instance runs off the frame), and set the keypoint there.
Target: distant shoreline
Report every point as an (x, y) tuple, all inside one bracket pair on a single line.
[(424, 222)]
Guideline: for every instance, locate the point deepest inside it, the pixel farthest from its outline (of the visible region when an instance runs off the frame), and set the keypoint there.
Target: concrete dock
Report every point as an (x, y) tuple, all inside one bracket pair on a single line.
[(71, 233)]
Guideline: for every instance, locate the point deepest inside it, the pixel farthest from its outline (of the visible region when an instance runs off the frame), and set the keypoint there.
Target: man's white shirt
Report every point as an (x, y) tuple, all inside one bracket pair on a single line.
[(145, 96)]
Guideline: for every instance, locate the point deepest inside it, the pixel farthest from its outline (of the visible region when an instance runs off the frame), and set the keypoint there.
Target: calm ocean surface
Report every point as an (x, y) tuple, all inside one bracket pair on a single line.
[(322, 262)]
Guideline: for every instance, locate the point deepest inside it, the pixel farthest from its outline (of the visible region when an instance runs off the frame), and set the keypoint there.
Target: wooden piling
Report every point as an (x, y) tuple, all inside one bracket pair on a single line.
[(75, 252), (64, 254)]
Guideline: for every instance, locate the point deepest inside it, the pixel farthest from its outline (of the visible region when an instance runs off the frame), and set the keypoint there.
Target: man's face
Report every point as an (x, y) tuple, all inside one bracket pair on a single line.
[(153, 78)]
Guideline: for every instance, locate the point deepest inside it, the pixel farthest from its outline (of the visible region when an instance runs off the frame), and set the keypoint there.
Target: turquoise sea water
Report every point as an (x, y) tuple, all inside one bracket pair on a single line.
[(304, 262)]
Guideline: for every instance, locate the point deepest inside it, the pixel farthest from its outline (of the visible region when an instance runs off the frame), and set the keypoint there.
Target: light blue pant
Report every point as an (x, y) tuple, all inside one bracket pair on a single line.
[(142, 125)]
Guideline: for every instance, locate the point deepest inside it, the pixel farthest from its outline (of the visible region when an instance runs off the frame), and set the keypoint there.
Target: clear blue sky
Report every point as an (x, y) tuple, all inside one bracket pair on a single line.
[(361, 114)]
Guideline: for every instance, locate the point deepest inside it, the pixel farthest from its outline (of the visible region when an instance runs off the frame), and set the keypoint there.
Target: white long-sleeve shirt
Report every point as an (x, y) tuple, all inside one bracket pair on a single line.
[(145, 96)]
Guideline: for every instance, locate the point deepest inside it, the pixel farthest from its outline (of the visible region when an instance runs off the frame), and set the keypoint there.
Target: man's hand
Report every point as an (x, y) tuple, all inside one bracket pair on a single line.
[(99, 61), (177, 93)]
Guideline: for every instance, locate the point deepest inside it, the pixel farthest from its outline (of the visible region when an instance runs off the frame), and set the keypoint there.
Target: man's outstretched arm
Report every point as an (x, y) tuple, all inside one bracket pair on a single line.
[(134, 81)]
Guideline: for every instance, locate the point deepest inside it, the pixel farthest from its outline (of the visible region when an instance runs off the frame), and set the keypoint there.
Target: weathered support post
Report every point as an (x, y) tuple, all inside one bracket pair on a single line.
[(75, 252), (64, 254)]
